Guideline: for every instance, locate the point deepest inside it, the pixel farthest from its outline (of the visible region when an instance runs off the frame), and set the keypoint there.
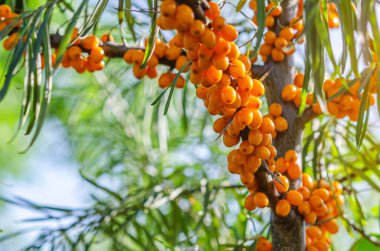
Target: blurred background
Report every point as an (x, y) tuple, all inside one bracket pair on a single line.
[(111, 170)]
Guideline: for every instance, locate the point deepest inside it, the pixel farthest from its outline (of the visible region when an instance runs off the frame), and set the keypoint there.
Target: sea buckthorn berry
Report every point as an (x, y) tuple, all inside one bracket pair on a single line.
[(184, 14), (276, 10), (90, 42), (269, 21), (214, 75), (246, 61), (288, 33), (307, 181), (267, 125), (267, 140), (323, 193), (294, 171), (233, 168), (246, 178), (213, 11), (180, 62), (97, 54), (257, 88), (74, 52), (304, 208), (245, 116), (314, 232), (5, 10), (165, 80), (337, 188), (305, 192), (316, 202), (283, 208), (106, 38), (281, 165), (224, 81), (208, 38), (245, 83), (265, 50), (190, 42), (284, 187), (254, 102), (180, 82), (197, 28), (275, 109), (138, 72), (152, 73), (237, 69), (280, 43), (331, 226), (277, 55), (168, 8), (228, 95), (291, 156), (270, 37), (298, 80), (246, 148), (153, 61), (263, 245), (229, 33), (234, 53), (310, 218), (137, 56), (172, 53), (201, 91), (230, 141), (222, 47), (249, 202), (281, 124), (262, 152), (289, 92), (294, 197), (256, 121), (218, 23), (220, 62), (255, 137), (253, 163), (261, 200)]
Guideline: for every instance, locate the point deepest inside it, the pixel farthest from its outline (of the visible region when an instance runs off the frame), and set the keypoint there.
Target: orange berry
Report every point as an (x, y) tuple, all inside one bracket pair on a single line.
[(257, 88), (190, 42), (172, 53), (208, 38), (180, 62), (281, 165), (97, 54), (283, 208), (255, 137), (249, 202), (90, 42), (245, 83), (291, 156), (262, 152), (222, 47), (137, 56), (246, 61), (220, 62), (281, 124), (237, 69), (138, 72), (165, 80), (168, 8), (288, 33), (106, 38), (307, 181), (316, 202), (229, 33), (269, 21), (313, 232), (261, 200), (305, 192), (298, 80), (230, 141), (265, 50), (197, 28), (267, 125), (214, 75), (5, 10), (246, 148), (254, 102), (184, 14), (310, 218), (245, 116), (180, 82), (294, 197), (331, 226), (275, 109), (282, 188), (153, 61), (323, 193), (280, 43), (218, 23), (304, 208), (277, 55), (263, 245), (74, 52), (253, 163), (270, 37), (294, 171), (289, 92), (257, 120), (213, 11), (228, 95)]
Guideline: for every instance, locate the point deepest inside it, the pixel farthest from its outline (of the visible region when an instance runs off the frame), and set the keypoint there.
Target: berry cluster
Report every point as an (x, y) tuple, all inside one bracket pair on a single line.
[(85, 54), (263, 244), (6, 17), (277, 46)]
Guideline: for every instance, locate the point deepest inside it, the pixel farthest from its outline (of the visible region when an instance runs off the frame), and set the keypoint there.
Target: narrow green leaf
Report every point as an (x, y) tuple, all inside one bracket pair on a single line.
[(240, 5), (100, 7), (261, 24), (159, 97), (152, 38), (362, 124), (129, 18)]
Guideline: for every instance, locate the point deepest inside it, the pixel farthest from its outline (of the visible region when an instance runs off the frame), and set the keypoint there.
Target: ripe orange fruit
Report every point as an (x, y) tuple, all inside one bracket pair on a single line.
[(253, 163), (282, 188), (261, 200), (208, 38), (257, 88), (214, 75), (310, 218), (213, 11), (316, 202), (168, 8), (313, 232), (220, 62), (74, 52), (323, 193), (288, 92), (283, 208), (294, 171), (245, 83), (246, 148), (307, 181), (229, 33), (305, 192), (5, 10), (270, 37), (294, 197), (90, 42), (277, 55), (184, 14), (275, 109), (298, 80), (288, 33), (230, 141), (267, 125), (228, 95), (249, 202), (331, 226), (237, 69), (280, 43), (281, 124), (197, 28), (281, 165), (291, 156), (304, 208), (262, 152), (255, 137)]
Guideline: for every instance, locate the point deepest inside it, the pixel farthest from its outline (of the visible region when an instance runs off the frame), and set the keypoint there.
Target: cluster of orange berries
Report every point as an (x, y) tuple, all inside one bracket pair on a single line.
[(346, 104), (222, 77), (263, 244), (278, 46), (85, 54), (333, 18), (6, 17)]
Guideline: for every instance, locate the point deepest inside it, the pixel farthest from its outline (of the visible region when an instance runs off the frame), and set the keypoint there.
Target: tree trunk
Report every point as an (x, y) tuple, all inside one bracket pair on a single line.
[(288, 233)]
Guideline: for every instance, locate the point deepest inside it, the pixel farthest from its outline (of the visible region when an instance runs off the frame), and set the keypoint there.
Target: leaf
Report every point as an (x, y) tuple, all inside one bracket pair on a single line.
[(120, 12), (261, 23), (152, 38), (362, 124), (159, 97), (104, 189), (68, 33), (101, 5), (173, 86), (240, 5), (364, 244), (130, 19)]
